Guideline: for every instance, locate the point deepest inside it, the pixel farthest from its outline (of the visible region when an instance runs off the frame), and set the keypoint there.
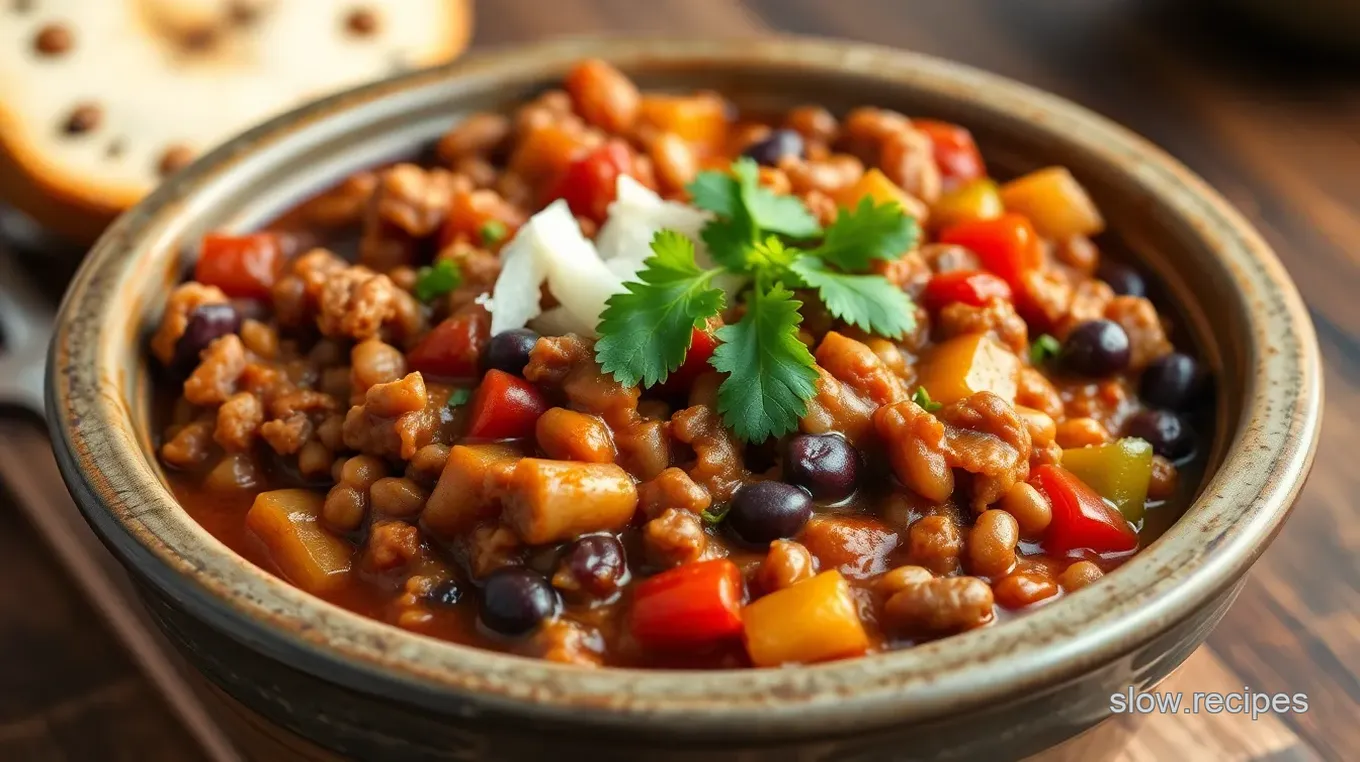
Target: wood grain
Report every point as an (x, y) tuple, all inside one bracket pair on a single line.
[(1273, 128)]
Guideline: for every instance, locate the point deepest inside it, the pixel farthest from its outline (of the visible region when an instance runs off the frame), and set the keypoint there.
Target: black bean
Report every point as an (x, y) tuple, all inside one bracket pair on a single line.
[(762, 512), (515, 600), (509, 351), (207, 323), (1124, 280), (779, 144), (1170, 382), (1164, 430), (1096, 348), (825, 464), (597, 563)]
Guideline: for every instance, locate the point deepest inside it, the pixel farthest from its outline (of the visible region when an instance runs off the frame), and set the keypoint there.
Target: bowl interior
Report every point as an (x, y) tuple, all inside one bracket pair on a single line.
[(1230, 296)]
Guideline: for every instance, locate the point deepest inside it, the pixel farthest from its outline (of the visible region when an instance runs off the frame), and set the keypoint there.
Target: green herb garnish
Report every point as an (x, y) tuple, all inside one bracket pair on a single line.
[(459, 396), (713, 516), (771, 243), (645, 331), (922, 398), (492, 232), (437, 280), (1044, 349), (770, 372)]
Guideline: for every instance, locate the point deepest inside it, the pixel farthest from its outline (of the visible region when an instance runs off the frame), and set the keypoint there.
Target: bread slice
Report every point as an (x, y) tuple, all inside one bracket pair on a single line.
[(101, 100)]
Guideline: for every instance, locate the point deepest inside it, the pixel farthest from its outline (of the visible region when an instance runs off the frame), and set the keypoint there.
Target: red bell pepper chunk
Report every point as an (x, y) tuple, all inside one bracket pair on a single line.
[(590, 183), (505, 407), (967, 287), (692, 605), (956, 153), (1007, 245), (1081, 517), (244, 266), (451, 349), (701, 345)]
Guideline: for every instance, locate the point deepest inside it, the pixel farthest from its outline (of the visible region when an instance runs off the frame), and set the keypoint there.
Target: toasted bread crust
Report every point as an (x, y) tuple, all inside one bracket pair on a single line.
[(77, 207)]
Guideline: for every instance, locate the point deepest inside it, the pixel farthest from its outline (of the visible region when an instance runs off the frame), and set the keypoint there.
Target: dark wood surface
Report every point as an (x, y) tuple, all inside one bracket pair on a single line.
[(1273, 127)]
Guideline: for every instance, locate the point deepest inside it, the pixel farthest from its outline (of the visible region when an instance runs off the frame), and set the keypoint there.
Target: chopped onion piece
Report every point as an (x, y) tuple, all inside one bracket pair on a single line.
[(515, 298), (550, 248), (576, 276), (634, 218)]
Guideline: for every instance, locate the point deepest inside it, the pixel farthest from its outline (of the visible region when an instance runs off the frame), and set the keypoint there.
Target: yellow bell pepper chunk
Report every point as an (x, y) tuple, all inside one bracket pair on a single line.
[(876, 186), (310, 557), (1119, 471), (976, 200), (814, 620), (1055, 202), (968, 364)]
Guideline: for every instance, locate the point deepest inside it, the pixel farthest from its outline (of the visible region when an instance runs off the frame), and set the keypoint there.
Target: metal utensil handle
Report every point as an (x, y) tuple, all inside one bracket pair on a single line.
[(26, 325), (29, 469)]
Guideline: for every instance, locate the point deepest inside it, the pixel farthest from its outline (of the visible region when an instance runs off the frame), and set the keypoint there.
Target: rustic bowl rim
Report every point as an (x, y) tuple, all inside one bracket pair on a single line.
[(1239, 510)]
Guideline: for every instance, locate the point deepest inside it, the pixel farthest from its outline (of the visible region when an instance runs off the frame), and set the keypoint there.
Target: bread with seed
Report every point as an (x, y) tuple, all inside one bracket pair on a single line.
[(99, 101)]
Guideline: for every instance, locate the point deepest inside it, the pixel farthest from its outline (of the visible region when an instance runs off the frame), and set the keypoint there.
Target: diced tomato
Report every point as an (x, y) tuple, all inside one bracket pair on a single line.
[(1007, 245), (242, 266), (701, 345), (589, 184), (505, 407), (1081, 517), (966, 287), (956, 153), (451, 349), (692, 605)]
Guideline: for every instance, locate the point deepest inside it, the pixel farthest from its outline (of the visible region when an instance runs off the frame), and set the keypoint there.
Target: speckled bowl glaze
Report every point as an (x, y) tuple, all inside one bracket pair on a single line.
[(368, 690)]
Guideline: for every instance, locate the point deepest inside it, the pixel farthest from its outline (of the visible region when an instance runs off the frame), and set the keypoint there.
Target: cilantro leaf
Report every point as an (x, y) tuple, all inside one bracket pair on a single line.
[(770, 372), (459, 396), (744, 209), (717, 192), (729, 241), (437, 280), (866, 301), (772, 255), (731, 233), (777, 213), (1043, 349), (870, 231), (492, 232), (646, 330), (922, 398)]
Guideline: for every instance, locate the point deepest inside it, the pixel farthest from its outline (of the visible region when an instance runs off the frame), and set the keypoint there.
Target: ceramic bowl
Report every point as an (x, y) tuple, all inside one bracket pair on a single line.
[(369, 690)]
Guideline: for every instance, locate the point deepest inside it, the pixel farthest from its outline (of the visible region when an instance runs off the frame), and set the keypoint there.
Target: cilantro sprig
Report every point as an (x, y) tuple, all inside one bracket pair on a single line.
[(774, 245), (770, 372), (922, 398), (459, 397), (645, 331), (492, 232), (714, 516), (436, 280), (1044, 348)]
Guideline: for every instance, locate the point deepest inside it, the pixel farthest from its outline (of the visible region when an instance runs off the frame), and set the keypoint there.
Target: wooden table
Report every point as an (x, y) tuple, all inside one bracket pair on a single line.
[(1277, 136)]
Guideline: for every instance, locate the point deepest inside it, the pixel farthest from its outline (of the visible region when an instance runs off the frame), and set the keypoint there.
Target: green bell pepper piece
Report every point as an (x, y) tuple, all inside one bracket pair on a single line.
[(1119, 471)]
